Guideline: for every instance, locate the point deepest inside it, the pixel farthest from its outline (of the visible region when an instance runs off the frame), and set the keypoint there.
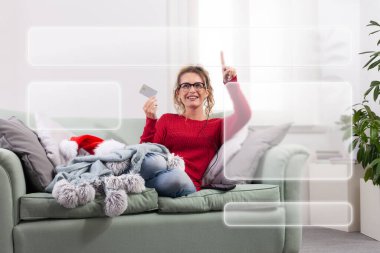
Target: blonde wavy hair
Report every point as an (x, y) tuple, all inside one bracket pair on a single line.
[(209, 102)]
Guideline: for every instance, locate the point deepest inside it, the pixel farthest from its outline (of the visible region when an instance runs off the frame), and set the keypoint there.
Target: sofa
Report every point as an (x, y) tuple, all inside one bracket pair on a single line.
[(34, 222)]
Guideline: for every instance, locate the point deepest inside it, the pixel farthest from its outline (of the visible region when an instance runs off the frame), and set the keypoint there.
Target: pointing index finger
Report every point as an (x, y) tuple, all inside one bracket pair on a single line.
[(222, 59)]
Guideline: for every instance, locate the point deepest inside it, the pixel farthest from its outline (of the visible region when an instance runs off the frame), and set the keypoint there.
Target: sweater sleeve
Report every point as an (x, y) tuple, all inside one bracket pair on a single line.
[(154, 131), (241, 114), (149, 130)]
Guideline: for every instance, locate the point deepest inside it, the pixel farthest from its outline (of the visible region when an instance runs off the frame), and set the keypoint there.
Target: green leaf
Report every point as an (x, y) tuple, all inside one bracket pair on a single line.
[(376, 93), (357, 115), (374, 32), (368, 91), (352, 145), (376, 179), (369, 111), (374, 64), (359, 155), (374, 163), (375, 83), (362, 129), (366, 156), (373, 57), (368, 52), (373, 23), (377, 170), (376, 174), (368, 174), (374, 153), (374, 133)]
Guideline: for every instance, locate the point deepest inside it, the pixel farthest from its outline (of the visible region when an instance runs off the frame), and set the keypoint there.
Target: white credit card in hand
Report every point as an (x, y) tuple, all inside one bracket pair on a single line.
[(147, 91)]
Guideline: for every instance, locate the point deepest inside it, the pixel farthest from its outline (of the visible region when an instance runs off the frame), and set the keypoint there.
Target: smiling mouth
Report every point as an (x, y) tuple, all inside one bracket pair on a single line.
[(192, 97)]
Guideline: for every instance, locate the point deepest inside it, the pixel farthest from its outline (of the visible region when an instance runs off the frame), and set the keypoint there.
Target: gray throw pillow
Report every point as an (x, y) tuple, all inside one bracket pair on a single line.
[(21, 140), (214, 173), (243, 165)]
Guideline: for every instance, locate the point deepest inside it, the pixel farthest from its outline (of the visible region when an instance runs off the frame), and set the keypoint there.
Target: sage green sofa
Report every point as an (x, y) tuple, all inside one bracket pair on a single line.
[(35, 223)]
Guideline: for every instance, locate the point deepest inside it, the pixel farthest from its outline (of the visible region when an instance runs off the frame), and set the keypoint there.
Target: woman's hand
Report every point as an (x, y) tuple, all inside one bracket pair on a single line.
[(228, 72), (150, 108)]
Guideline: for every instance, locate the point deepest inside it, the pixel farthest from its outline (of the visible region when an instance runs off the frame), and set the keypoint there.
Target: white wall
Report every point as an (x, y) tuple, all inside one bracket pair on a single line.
[(17, 17), (333, 14)]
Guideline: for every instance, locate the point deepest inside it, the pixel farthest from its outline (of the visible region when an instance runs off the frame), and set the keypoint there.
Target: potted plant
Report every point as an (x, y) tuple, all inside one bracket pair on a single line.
[(365, 132)]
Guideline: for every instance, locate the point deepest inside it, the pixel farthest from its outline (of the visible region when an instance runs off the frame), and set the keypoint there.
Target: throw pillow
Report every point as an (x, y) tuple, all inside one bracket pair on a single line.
[(243, 165), (214, 173), (51, 134), (21, 140)]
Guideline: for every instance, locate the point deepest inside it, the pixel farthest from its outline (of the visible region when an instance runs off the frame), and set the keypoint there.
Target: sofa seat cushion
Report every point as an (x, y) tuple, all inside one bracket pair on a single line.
[(36, 206), (214, 200)]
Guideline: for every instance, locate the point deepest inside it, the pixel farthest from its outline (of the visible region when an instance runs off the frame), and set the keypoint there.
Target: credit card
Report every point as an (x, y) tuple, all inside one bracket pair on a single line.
[(147, 91)]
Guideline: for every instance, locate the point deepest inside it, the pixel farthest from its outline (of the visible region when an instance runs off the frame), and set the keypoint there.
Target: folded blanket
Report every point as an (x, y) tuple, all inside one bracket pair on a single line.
[(113, 175)]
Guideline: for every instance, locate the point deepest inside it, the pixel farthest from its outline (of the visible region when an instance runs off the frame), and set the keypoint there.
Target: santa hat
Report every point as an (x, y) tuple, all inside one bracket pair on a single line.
[(92, 144)]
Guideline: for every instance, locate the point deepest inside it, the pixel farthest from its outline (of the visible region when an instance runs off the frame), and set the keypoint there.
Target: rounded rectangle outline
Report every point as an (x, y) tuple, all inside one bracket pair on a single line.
[(28, 60), (351, 165), (117, 85), (281, 204)]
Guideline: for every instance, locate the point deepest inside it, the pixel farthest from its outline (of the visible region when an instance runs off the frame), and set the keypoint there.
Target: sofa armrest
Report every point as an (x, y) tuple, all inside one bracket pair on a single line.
[(284, 165), (12, 187)]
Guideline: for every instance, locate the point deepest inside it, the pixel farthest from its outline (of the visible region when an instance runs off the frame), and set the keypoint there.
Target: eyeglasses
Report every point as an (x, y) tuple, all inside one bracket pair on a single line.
[(187, 86)]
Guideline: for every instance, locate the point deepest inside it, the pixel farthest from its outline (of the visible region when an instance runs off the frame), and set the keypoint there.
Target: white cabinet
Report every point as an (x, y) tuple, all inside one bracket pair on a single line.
[(335, 182)]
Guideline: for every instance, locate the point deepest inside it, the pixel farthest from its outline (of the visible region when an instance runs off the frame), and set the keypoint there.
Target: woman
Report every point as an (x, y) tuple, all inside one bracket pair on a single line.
[(190, 133)]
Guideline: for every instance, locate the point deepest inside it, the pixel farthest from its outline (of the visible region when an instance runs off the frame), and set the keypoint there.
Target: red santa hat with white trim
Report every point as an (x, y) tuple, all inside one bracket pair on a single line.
[(91, 144)]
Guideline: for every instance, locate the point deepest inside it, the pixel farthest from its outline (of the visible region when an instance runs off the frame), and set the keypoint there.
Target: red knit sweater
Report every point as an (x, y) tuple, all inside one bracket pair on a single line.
[(197, 141)]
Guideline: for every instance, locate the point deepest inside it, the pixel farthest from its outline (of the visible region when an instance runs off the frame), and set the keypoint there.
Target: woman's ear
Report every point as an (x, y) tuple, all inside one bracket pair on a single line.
[(207, 93)]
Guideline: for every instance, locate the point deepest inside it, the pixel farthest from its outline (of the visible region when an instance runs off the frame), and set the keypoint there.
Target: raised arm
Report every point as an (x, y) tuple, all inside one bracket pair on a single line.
[(154, 130), (241, 114), (149, 130), (242, 111), (150, 110)]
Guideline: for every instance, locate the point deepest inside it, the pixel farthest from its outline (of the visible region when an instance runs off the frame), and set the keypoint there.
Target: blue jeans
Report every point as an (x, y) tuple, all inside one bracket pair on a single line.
[(169, 183)]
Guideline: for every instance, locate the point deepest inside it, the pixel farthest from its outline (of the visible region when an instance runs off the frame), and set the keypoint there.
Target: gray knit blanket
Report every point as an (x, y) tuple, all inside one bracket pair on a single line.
[(114, 174)]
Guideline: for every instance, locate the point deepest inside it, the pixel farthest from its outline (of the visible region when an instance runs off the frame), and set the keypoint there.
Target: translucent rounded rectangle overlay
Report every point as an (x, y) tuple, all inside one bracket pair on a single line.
[(288, 214), (76, 105), (297, 108), (132, 46)]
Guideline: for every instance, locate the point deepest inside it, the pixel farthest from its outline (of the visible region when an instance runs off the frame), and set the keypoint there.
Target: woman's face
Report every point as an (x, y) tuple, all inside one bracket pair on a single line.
[(192, 92)]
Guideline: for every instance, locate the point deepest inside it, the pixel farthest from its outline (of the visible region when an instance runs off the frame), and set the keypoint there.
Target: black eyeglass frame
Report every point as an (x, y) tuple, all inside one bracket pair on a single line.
[(200, 86)]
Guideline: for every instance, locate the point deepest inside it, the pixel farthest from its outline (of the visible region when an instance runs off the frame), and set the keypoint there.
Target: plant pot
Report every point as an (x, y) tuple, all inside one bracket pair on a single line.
[(369, 209)]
